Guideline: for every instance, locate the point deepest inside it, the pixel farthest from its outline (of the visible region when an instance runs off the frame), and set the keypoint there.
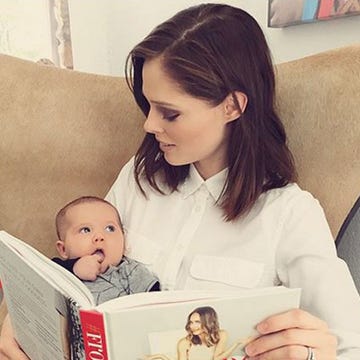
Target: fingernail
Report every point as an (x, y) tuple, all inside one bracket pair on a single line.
[(249, 350), (262, 327)]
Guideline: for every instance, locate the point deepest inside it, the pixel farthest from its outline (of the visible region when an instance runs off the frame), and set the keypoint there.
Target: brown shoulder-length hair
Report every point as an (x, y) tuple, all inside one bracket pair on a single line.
[(209, 324), (211, 51)]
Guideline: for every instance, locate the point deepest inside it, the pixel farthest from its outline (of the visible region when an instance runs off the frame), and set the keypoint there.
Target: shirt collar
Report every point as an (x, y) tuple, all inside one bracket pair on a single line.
[(214, 185)]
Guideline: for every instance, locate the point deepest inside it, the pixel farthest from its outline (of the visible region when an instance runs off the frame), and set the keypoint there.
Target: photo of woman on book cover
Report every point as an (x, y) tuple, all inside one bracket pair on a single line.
[(205, 340)]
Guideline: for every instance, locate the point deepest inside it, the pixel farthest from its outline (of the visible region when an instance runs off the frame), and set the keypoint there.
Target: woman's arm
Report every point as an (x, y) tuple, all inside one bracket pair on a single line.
[(156, 357), (183, 347), (306, 258), (9, 348), (221, 352)]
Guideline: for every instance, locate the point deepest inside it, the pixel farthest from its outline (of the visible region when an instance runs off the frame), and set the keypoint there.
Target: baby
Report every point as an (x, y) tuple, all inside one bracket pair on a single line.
[(91, 246)]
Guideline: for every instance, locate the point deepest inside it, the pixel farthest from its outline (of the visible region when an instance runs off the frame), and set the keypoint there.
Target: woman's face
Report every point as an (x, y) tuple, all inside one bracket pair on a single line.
[(195, 324), (188, 130)]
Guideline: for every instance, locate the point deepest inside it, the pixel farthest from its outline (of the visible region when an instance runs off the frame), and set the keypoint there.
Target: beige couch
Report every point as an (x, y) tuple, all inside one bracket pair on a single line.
[(65, 134)]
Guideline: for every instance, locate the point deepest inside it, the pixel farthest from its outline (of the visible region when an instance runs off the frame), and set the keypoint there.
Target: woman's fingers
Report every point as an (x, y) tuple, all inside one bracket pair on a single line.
[(294, 352), (9, 348), (291, 341), (288, 335), (296, 318)]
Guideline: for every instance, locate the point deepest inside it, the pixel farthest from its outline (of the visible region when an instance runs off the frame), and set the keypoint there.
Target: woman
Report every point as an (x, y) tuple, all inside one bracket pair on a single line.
[(205, 339), (212, 186)]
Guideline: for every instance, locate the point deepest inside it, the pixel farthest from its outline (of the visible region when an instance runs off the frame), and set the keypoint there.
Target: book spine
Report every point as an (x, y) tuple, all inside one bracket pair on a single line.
[(93, 331)]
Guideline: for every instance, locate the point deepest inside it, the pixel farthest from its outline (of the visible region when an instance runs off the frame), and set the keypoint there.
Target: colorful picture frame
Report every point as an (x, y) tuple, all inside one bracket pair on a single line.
[(282, 13)]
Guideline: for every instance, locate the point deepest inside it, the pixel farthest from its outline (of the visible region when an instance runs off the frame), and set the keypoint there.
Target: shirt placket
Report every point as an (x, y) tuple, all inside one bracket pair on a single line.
[(176, 255)]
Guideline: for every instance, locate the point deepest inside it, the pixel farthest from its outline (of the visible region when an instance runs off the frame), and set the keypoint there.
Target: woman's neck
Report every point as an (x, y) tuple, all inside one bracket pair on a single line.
[(206, 171)]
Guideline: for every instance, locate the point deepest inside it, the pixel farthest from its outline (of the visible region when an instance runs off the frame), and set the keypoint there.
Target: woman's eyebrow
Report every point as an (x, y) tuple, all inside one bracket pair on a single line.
[(162, 103)]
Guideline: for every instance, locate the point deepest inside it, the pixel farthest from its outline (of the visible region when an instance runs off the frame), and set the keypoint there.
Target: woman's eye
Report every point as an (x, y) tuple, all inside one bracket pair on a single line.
[(85, 230), (170, 116), (110, 228)]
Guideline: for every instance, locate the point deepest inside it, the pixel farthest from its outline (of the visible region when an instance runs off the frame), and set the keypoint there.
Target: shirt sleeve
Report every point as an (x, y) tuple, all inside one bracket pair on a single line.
[(67, 264), (140, 278), (307, 258)]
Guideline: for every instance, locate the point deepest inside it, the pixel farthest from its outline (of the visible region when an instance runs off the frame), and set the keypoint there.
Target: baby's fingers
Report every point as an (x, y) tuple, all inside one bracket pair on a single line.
[(99, 256)]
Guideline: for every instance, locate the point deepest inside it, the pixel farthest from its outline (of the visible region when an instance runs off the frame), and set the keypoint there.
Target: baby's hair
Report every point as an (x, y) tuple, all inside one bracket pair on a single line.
[(60, 216)]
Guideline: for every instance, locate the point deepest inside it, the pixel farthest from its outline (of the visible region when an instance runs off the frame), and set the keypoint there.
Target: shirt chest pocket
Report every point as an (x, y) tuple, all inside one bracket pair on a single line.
[(140, 248), (230, 271)]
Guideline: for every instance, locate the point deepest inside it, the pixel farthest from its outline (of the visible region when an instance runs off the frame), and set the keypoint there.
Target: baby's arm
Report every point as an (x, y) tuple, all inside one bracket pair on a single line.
[(68, 264), (85, 268)]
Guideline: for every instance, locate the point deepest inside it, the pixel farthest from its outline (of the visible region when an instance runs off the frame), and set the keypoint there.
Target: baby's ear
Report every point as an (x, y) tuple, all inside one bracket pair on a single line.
[(60, 247)]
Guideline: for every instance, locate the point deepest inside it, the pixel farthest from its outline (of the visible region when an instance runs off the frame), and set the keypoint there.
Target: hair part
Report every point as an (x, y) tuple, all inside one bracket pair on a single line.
[(60, 219), (211, 51)]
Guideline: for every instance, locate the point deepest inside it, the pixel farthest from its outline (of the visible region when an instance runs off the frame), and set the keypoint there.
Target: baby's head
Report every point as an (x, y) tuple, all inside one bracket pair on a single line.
[(90, 225)]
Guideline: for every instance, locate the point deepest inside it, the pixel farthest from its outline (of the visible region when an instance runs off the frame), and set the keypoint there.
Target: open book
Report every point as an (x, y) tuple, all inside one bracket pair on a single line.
[(54, 315)]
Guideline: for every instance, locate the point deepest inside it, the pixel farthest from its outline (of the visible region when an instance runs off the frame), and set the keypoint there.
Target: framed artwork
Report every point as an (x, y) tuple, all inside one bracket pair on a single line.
[(61, 35), (37, 30), (283, 13)]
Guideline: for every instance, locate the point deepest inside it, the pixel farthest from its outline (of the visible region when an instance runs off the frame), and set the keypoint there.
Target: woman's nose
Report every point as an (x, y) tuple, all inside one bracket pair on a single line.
[(153, 124)]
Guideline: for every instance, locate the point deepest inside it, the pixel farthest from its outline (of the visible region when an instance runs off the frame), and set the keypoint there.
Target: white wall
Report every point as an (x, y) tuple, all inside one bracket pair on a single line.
[(103, 31)]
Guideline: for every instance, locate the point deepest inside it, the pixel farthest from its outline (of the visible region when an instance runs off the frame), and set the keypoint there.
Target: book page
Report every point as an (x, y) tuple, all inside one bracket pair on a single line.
[(133, 333), (55, 274), (165, 297), (37, 310), (38, 293)]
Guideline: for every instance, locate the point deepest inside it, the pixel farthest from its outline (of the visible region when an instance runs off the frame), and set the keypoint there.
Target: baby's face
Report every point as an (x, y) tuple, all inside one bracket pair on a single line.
[(93, 228)]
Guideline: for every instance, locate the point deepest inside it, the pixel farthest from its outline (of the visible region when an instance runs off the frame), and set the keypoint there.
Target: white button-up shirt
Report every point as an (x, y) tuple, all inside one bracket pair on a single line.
[(283, 240)]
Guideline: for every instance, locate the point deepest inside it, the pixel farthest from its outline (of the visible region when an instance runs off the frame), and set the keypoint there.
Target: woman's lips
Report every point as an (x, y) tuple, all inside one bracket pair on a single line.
[(166, 147)]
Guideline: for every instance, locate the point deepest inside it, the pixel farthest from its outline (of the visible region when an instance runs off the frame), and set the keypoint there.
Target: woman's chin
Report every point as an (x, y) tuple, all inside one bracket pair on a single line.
[(175, 161)]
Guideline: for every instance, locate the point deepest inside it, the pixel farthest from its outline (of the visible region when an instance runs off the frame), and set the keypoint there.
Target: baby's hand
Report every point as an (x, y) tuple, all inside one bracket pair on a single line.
[(88, 267)]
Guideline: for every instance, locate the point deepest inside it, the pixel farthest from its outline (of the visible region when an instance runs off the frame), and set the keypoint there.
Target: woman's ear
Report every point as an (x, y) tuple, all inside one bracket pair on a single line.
[(60, 247), (235, 105)]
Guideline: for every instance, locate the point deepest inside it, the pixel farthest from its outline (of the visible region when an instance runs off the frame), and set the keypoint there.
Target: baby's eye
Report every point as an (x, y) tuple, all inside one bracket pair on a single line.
[(110, 228), (85, 230)]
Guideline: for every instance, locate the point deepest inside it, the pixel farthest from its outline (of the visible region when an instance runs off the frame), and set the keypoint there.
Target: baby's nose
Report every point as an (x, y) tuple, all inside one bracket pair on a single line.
[(98, 237)]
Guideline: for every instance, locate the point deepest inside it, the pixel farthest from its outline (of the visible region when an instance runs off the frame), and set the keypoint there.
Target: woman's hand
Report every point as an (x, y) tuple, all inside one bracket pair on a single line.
[(9, 348), (288, 336)]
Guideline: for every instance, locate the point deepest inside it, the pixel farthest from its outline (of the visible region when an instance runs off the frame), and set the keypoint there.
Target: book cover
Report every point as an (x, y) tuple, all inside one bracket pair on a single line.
[(54, 315)]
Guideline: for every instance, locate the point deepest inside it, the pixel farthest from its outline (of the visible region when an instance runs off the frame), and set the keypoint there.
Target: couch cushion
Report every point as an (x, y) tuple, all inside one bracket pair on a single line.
[(63, 134), (319, 102)]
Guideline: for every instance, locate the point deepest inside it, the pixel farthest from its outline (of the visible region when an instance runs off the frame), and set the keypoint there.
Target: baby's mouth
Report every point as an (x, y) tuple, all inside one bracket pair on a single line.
[(99, 252)]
